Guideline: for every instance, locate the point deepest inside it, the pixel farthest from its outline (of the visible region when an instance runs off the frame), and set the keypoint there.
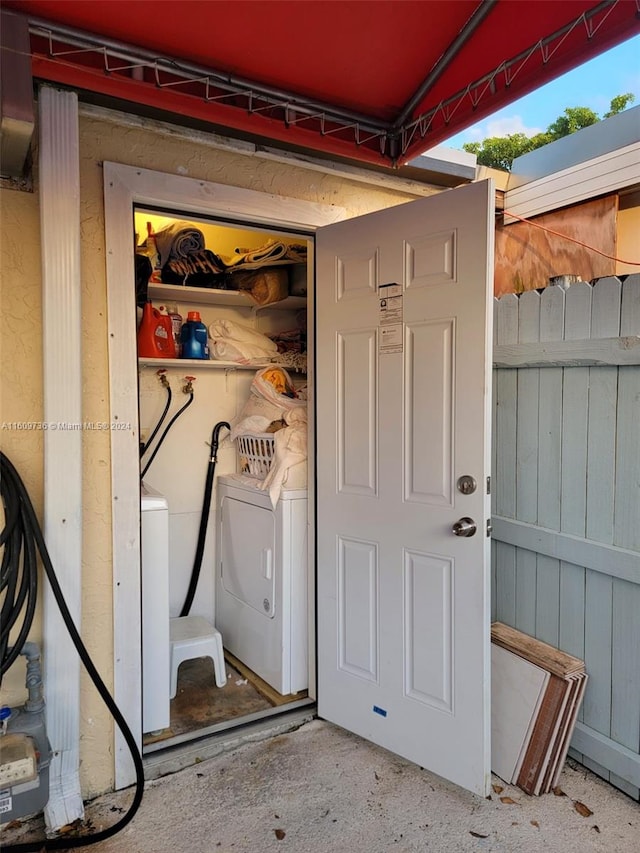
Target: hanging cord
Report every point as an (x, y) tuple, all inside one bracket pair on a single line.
[(204, 518), (187, 389), (22, 528), (162, 376), (18, 585), (570, 239)]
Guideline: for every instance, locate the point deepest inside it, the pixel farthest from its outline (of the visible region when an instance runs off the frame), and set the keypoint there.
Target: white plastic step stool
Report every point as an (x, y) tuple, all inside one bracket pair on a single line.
[(194, 637)]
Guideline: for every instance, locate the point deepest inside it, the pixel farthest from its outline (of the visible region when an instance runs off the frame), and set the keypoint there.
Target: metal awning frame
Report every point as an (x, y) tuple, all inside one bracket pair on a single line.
[(138, 67)]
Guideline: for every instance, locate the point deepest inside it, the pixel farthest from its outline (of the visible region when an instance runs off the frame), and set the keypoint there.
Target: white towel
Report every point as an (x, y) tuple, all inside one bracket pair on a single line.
[(240, 352), (237, 332), (290, 448), (232, 341)]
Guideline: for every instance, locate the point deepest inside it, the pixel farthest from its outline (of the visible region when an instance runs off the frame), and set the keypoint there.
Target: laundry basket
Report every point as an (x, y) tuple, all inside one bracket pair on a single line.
[(256, 454)]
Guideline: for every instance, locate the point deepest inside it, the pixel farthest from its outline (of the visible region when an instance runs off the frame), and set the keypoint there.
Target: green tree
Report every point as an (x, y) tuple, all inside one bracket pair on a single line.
[(619, 103), (572, 119), (499, 152)]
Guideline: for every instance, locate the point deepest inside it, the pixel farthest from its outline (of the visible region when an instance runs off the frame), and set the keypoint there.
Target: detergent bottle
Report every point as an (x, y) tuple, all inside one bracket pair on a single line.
[(194, 340), (155, 335), (176, 324)]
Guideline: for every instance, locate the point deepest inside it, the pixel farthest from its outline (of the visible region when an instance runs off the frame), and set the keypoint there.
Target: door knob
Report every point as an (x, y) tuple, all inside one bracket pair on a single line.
[(464, 527)]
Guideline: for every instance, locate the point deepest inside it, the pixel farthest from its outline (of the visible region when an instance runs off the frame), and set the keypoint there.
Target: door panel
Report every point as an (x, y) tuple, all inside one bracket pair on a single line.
[(358, 608), (357, 397), (429, 385), (428, 620), (403, 402)]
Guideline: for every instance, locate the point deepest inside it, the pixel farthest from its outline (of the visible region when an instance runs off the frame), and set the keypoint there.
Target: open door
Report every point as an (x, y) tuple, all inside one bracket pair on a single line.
[(403, 394)]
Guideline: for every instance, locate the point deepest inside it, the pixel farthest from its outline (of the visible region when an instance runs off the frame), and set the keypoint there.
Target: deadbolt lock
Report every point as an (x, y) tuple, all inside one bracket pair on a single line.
[(466, 484)]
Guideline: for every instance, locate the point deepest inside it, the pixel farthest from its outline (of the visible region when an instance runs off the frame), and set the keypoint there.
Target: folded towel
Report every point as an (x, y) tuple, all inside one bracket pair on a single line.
[(271, 253), (179, 240), (241, 352), (234, 342), (228, 329)]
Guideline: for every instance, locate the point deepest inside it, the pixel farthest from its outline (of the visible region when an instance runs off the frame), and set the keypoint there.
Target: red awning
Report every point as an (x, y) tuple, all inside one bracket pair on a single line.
[(377, 81)]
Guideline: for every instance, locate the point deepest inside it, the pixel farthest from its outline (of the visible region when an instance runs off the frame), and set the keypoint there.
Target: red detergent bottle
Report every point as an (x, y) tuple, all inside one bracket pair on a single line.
[(155, 335)]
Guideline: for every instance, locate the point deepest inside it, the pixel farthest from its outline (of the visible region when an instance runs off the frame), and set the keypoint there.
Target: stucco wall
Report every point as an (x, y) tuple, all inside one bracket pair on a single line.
[(149, 146), (21, 400)]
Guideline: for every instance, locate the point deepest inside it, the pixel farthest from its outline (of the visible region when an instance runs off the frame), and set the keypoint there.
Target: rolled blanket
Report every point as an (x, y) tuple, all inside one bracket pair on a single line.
[(271, 253), (179, 240)]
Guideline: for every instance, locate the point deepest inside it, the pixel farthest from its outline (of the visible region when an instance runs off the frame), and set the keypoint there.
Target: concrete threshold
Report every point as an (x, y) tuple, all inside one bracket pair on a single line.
[(176, 757)]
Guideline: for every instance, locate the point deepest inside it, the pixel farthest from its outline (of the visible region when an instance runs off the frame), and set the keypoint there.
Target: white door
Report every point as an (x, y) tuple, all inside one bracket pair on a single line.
[(403, 411)]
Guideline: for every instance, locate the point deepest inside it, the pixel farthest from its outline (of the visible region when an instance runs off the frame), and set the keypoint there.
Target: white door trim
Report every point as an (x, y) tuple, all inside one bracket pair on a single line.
[(59, 195), (125, 186)]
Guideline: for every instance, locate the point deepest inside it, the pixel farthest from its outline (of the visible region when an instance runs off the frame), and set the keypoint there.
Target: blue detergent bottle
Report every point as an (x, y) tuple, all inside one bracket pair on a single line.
[(194, 339)]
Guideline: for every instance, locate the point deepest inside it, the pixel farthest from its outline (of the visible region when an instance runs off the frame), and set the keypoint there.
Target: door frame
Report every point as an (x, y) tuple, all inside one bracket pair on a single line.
[(124, 187)]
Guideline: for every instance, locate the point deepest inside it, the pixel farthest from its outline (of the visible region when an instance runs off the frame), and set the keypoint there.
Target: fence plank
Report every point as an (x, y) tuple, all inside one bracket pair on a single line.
[(506, 332), (599, 557), (574, 423), (549, 456), (626, 518), (494, 582), (527, 464), (630, 310), (604, 352), (527, 420), (506, 583), (597, 657), (606, 300), (605, 320), (577, 326)]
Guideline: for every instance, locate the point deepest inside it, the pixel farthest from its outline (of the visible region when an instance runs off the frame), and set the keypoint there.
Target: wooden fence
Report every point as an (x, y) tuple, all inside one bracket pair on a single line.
[(566, 497)]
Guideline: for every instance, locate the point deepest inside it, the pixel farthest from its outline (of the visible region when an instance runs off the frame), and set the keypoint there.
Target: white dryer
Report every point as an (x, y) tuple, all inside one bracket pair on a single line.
[(261, 581)]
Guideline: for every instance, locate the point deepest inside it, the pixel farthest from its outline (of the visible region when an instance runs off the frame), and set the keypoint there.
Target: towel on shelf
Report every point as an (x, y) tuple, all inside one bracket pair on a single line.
[(232, 341), (179, 240), (273, 252)]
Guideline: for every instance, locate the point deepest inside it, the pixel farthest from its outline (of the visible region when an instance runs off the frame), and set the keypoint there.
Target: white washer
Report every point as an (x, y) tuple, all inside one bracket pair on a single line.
[(261, 581), (154, 523)]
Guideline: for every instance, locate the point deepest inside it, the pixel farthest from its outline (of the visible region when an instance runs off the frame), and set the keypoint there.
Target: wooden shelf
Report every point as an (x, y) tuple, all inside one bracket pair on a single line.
[(191, 363), (209, 296)]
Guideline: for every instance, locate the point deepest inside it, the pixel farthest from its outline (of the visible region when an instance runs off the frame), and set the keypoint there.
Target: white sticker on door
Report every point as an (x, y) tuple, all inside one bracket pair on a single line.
[(391, 338), (390, 296)]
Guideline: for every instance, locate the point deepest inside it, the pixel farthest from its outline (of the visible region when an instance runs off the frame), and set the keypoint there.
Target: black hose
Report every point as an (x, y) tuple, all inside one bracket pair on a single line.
[(165, 433), (17, 584), (147, 444), (22, 529), (204, 518)]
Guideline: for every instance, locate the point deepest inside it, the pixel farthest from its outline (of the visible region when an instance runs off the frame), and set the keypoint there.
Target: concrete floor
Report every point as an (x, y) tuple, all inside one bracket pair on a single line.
[(320, 789)]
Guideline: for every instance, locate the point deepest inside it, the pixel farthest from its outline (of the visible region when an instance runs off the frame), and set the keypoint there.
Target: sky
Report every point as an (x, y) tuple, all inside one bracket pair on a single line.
[(592, 85)]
